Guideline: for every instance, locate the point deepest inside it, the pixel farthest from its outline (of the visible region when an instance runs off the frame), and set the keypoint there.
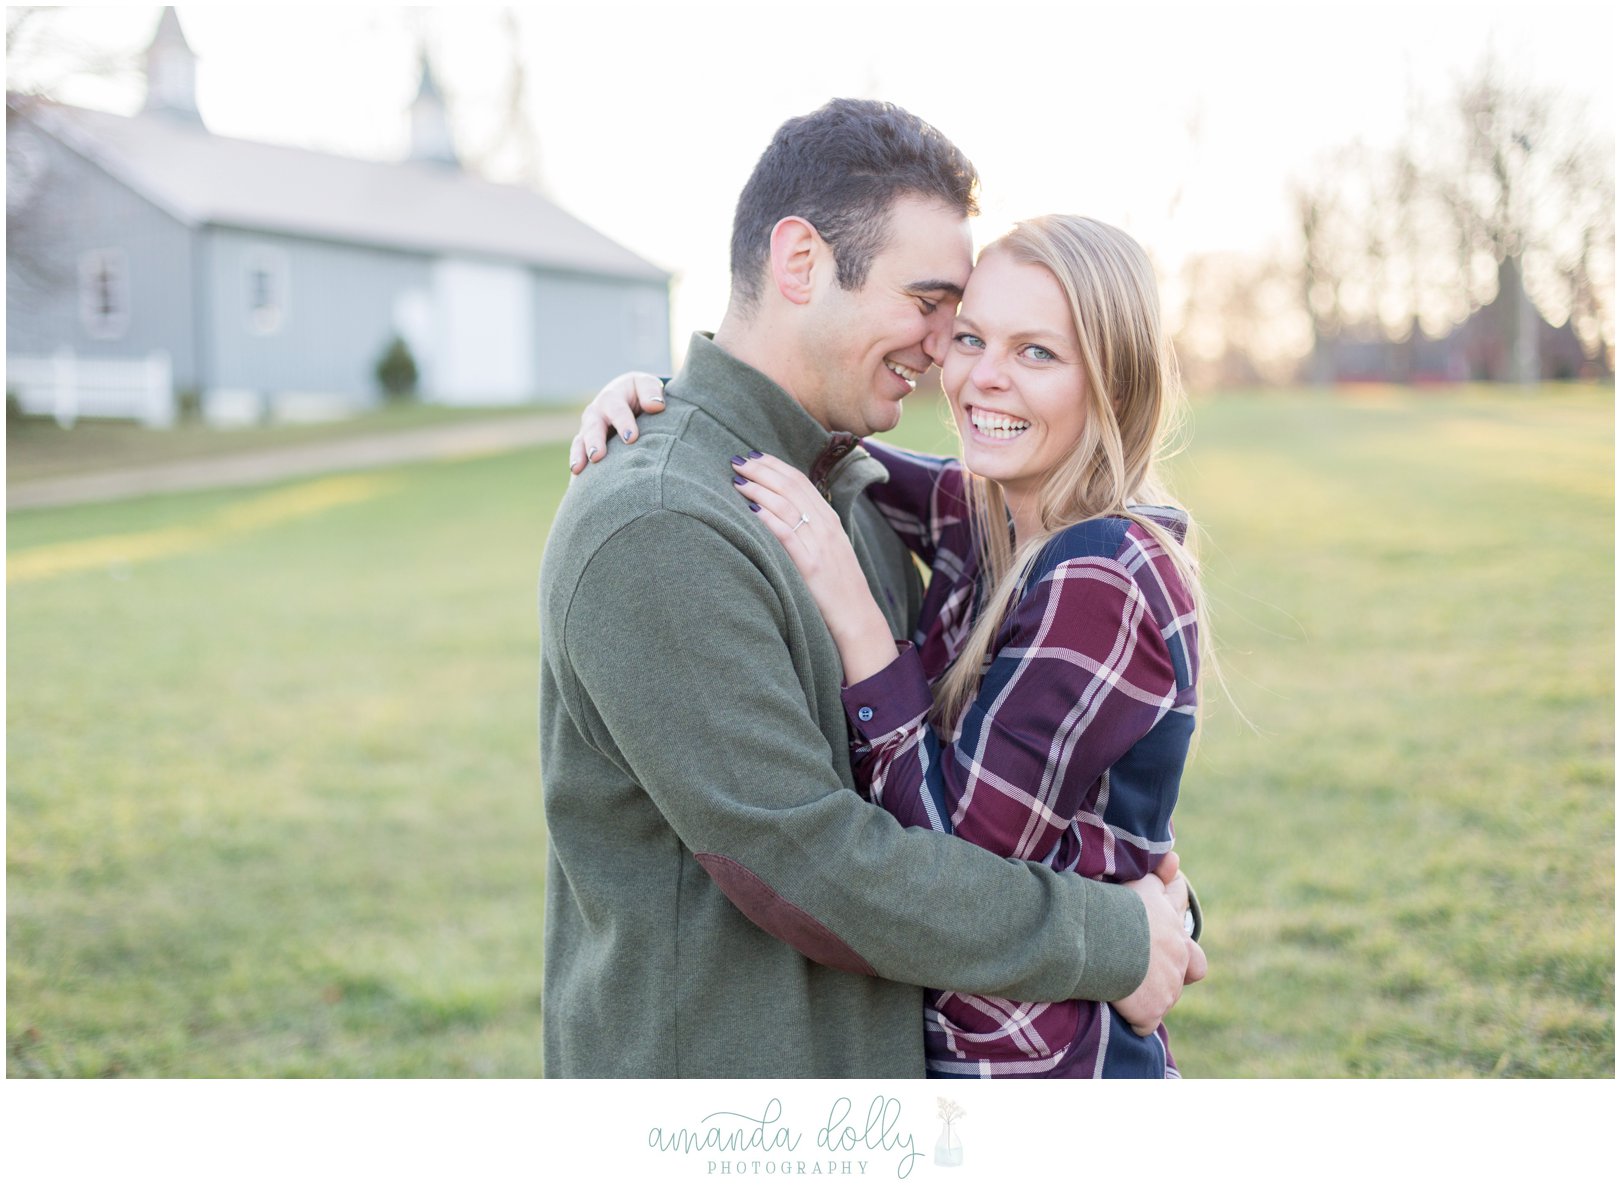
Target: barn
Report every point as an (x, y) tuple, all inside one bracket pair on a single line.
[(154, 267)]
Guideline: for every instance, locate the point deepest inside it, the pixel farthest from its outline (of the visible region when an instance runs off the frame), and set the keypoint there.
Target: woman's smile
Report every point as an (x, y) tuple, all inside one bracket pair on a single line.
[(993, 426)]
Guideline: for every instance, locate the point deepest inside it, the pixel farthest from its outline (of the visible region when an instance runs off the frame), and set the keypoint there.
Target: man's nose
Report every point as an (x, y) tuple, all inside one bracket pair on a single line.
[(938, 339)]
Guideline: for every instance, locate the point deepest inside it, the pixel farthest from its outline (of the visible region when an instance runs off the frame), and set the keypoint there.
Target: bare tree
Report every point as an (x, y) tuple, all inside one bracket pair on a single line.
[(1584, 268), (1355, 275), (515, 138), (43, 53), (1240, 322), (1502, 196), (1323, 269), (490, 109), (1506, 131)]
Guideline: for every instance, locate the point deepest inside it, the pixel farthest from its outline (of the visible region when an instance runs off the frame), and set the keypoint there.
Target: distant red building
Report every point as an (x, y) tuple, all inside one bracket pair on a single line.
[(1477, 349)]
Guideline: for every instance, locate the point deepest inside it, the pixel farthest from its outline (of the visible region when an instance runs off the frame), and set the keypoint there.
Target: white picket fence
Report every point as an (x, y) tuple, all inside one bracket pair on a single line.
[(68, 388)]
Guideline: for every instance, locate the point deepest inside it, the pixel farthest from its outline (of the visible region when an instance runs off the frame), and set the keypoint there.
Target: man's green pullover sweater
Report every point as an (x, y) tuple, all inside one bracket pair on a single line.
[(719, 901)]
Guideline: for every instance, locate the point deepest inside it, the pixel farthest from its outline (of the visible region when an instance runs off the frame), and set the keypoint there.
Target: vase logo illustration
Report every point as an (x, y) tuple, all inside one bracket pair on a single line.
[(948, 1148)]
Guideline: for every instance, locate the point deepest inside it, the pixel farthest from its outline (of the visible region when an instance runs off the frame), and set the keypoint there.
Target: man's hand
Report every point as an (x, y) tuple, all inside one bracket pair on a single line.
[(1174, 958)]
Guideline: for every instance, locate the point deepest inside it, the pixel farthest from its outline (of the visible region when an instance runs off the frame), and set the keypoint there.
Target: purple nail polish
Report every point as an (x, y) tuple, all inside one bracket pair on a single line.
[(738, 460), (753, 507), (755, 454), (739, 480)]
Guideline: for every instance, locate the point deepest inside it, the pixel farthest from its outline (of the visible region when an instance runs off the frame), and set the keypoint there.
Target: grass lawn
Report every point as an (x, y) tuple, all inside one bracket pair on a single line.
[(273, 805), (38, 448)]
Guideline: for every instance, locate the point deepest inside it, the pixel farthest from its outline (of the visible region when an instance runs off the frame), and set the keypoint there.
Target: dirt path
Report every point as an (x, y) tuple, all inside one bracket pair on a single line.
[(268, 466)]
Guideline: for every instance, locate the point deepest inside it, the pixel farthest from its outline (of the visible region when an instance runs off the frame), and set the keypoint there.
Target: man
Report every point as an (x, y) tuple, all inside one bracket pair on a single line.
[(720, 902)]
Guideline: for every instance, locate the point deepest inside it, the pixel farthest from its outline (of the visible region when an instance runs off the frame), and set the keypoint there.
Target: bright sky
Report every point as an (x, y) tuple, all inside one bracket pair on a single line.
[(1181, 123)]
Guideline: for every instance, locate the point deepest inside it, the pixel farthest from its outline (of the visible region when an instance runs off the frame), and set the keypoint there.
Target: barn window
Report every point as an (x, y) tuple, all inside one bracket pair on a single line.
[(104, 293), (264, 277)]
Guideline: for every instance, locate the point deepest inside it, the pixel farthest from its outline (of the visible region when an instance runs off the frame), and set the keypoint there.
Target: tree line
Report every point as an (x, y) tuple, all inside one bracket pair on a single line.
[(1480, 246)]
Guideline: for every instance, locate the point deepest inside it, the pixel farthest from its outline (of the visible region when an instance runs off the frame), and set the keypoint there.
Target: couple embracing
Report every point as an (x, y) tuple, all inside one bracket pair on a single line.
[(809, 815)]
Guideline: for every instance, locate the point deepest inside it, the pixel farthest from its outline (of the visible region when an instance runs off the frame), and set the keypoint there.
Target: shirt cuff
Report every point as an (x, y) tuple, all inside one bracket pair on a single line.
[(891, 698), (1116, 944)]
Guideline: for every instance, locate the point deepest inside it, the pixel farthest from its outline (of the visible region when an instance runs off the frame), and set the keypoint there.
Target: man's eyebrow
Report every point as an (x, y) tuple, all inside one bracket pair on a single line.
[(948, 288)]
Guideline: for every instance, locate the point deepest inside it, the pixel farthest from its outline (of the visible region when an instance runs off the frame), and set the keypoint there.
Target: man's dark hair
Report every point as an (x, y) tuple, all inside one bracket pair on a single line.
[(840, 168)]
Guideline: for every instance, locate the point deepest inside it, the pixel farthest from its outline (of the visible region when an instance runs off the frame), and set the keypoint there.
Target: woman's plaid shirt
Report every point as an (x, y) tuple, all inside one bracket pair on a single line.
[(1070, 754)]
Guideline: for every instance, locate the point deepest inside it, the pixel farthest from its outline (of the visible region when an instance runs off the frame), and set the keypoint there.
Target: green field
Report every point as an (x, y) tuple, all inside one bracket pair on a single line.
[(273, 805), (37, 448)]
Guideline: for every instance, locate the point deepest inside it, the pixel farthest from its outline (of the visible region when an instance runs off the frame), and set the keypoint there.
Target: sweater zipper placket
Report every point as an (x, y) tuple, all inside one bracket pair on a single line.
[(836, 453)]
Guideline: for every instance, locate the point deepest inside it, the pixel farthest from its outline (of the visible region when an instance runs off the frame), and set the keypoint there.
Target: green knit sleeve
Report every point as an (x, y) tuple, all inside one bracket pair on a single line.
[(684, 652)]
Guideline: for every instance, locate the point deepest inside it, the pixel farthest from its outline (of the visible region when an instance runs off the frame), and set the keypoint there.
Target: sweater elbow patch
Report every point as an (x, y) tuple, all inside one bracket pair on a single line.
[(758, 901)]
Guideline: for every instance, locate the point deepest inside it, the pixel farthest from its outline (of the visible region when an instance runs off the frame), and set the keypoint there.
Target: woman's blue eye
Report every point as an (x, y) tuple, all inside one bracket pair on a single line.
[(1040, 354), (969, 340)]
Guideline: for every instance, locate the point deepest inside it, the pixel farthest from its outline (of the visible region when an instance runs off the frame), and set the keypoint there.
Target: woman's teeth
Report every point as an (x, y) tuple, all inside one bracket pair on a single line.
[(996, 425)]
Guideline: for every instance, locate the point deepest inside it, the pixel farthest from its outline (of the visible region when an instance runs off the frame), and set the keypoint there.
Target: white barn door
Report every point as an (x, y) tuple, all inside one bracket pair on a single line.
[(484, 334)]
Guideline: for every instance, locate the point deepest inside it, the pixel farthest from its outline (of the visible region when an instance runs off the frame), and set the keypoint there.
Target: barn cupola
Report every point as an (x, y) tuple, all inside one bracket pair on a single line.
[(171, 71), (430, 123)]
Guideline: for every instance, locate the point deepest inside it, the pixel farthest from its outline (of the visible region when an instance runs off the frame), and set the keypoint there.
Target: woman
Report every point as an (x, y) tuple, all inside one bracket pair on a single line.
[(1045, 706)]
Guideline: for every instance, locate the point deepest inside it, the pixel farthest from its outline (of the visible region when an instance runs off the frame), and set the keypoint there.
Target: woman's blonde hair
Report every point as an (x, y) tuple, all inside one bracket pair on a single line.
[(1132, 402)]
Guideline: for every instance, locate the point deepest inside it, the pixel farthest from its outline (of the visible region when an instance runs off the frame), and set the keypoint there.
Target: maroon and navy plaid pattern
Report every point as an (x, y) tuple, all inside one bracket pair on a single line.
[(1070, 754)]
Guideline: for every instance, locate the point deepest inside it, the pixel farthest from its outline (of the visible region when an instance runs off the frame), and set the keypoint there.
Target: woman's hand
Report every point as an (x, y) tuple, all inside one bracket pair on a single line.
[(1175, 959), (614, 408), (798, 516)]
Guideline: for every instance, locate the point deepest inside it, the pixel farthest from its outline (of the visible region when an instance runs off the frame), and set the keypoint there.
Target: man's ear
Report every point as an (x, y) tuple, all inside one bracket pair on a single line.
[(798, 252)]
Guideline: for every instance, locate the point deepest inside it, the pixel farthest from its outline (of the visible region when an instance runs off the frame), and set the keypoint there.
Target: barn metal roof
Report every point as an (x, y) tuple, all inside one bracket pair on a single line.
[(203, 179)]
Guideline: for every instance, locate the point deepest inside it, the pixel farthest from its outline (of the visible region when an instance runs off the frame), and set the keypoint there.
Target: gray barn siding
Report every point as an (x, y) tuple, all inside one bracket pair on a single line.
[(188, 296), (338, 319), (588, 329), (77, 208)]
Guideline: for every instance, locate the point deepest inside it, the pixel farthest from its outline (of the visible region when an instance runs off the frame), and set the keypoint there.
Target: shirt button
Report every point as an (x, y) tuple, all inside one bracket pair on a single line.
[(865, 714)]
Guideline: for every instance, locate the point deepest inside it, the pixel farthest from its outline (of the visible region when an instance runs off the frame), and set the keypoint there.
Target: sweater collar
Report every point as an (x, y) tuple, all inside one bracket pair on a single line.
[(758, 410)]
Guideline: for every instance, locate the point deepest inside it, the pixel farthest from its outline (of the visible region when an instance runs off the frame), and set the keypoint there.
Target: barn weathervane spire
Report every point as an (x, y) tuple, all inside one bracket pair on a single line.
[(171, 71), (430, 121)]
